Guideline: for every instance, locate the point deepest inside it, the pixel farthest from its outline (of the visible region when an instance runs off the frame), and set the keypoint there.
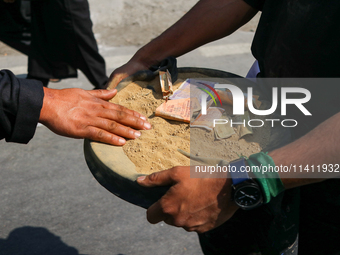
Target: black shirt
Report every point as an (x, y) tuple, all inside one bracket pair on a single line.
[(297, 38), (300, 38), (20, 104)]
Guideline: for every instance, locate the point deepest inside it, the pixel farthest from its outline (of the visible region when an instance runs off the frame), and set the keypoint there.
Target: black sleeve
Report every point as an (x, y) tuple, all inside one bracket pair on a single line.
[(20, 104), (257, 4)]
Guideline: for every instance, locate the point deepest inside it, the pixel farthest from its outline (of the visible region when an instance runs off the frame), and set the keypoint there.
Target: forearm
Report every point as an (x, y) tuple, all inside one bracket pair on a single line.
[(207, 21), (319, 146)]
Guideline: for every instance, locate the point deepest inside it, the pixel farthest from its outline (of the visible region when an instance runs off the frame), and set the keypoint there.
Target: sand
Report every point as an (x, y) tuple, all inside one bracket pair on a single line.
[(156, 149)]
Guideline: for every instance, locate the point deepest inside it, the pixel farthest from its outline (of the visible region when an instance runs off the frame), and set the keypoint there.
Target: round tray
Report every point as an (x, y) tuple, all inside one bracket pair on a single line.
[(114, 170)]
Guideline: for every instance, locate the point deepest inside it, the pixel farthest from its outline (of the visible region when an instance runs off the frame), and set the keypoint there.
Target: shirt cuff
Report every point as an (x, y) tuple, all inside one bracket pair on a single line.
[(30, 102)]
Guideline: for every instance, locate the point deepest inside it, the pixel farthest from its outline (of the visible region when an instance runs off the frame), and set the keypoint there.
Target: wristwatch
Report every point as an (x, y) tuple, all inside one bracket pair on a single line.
[(246, 192)]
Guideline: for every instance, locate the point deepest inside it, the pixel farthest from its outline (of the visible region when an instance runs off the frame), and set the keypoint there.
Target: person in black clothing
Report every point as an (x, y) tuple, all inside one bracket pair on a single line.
[(294, 38), (63, 41), (15, 25), (57, 37), (72, 113)]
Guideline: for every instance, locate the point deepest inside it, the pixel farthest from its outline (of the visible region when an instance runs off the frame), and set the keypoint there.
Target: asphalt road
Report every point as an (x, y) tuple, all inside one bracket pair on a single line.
[(51, 204)]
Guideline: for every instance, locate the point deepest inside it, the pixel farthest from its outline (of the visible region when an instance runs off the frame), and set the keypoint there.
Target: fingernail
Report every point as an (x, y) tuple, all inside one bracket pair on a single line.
[(142, 117), (147, 125), (141, 178), (121, 141), (138, 134)]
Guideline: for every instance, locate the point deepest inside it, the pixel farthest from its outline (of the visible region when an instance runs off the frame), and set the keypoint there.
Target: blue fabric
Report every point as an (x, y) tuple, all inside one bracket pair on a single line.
[(238, 176)]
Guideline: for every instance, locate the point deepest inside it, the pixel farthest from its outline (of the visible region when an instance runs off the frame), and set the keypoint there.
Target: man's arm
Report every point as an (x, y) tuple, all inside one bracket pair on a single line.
[(207, 21), (73, 113), (319, 146)]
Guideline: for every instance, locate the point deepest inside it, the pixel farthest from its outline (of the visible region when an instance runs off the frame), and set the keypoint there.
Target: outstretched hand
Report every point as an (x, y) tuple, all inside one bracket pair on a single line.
[(195, 204), (78, 113)]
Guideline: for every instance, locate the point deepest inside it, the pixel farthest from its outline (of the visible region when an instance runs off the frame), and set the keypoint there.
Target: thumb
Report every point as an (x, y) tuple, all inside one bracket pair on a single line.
[(116, 77), (112, 83), (162, 178), (103, 93)]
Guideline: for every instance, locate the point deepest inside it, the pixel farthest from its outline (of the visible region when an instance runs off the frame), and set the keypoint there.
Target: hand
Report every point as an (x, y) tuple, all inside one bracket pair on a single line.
[(79, 113), (124, 71), (195, 204)]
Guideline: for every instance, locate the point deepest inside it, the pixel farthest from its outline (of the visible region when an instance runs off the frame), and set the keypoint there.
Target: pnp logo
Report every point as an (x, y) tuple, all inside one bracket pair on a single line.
[(204, 97), (239, 97)]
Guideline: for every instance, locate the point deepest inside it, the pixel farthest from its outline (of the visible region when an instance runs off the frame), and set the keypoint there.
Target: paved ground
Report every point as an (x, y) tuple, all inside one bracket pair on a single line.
[(50, 203)]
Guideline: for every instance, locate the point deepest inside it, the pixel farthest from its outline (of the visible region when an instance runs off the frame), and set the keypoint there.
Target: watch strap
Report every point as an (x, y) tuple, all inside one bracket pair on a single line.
[(270, 182), (237, 174)]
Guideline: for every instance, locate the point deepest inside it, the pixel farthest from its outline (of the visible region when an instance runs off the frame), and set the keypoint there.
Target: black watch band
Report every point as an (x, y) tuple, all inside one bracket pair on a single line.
[(247, 193)]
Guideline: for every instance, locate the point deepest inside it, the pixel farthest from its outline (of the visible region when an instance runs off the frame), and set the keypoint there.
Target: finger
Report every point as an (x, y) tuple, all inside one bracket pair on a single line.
[(155, 213), (190, 229), (126, 118), (103, 136), (115, 79), (162, 178), (112, 83), (120, 108), (116, 128), (103, 94), (194, 225), (201, 229)]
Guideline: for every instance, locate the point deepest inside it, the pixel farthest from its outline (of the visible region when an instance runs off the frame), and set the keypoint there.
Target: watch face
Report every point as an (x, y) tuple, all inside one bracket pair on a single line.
[(248, 196)]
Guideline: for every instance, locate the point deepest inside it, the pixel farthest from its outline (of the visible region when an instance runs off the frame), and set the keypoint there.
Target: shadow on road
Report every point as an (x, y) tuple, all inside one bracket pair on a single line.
[(34, 241)]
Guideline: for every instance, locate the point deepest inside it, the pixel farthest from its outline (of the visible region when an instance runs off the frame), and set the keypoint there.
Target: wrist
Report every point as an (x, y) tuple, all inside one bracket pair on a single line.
[(246, 192), (45, 110), (150, 55), (144, 58)]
